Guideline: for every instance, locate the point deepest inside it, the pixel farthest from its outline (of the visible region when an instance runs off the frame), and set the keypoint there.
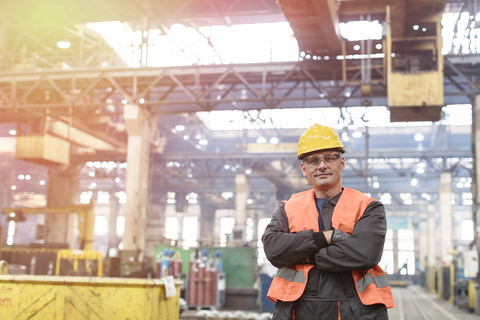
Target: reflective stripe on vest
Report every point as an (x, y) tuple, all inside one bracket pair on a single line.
[(289, 283), (379, 281), (291, 275), (372, 285)]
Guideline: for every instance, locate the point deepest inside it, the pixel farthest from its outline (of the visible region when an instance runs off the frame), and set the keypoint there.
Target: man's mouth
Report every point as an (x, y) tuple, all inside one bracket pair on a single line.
[(321, 175)]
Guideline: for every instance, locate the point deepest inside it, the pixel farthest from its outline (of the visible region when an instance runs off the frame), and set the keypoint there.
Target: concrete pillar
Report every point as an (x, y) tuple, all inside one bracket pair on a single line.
[(180, 216), (112, 221), (242, 183), (476, 171), (395, 252), (423, 245), (140, 127), (155, 232), (62, 190), (446, 218), (431, 248), (207, 223)]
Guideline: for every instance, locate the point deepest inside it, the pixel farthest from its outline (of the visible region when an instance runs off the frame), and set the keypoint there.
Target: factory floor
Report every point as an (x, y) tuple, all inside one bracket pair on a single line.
[(411, 303)]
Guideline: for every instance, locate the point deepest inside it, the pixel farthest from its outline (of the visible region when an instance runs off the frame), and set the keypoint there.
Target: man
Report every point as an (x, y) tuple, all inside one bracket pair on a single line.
[(327, 242)]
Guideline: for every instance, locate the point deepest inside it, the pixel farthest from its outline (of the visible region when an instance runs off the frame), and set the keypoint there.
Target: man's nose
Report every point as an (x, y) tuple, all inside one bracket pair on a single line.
[(321, 164)]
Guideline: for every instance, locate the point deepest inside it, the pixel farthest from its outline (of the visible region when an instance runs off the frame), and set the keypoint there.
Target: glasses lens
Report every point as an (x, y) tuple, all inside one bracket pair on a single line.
[(315, 160)]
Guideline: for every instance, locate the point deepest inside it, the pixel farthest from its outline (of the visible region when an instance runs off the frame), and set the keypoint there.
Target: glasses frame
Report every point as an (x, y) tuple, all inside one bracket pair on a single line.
[(321, 158)]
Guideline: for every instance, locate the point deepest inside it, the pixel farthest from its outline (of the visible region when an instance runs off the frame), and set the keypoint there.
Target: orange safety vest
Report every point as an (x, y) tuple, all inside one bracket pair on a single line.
[(290, 282)]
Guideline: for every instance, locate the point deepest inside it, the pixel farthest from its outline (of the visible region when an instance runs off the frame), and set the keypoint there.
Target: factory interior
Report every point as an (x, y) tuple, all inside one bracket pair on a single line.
[(145, 144)]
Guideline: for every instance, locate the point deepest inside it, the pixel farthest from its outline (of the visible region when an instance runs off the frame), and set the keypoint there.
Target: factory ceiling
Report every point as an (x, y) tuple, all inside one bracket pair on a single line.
[(39, 81)]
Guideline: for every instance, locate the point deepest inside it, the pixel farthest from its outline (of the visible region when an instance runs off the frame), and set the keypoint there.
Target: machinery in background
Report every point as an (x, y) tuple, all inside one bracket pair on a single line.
[(464, 288), (50, 259), (79, 263), (85, 217), (206, 280)]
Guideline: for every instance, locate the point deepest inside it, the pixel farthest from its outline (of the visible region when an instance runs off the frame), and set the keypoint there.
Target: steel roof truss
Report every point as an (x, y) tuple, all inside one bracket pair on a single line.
[(246, 83), (59, 91), (89, 89), (209, 89), (285, 78), (119, 88), (30, 90), (150, 86)]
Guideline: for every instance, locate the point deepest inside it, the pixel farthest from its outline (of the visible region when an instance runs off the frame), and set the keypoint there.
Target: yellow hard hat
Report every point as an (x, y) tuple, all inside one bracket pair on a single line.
[(317, 138)]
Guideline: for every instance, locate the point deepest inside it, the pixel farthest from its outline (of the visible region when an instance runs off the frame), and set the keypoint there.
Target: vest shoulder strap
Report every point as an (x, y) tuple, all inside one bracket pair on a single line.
[(349, 209)]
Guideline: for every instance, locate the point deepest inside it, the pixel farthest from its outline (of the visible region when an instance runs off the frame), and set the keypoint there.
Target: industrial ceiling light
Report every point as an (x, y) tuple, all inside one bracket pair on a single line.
[(63, 44), (418, 137), (274, 140), (361, 30), (261, 140), (378, 46), (356, 47), (357, 134), (179, 127), (203, 142), (415, 27), (12, 132)]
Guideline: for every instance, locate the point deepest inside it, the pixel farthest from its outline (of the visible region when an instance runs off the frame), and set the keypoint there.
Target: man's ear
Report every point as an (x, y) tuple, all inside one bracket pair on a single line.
[(303, 169), (342, 163)]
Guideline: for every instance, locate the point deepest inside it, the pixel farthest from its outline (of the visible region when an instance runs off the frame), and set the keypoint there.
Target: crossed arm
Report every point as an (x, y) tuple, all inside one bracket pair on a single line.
[(362, 250)]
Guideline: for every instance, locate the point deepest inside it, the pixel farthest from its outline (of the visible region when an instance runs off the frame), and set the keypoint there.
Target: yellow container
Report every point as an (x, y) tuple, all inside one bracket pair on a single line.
[(72, 298)]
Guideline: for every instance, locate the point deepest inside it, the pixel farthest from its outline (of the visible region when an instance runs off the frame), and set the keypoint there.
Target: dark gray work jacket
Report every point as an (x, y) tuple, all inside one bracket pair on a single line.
[(330, 289)]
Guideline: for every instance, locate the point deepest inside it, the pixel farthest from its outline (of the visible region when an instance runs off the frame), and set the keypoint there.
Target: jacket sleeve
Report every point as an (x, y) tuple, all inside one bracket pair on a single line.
[(363, 249), (283, 248)]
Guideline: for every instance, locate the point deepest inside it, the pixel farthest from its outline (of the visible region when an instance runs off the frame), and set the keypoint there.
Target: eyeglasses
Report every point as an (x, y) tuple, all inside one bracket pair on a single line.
[(314, 161)]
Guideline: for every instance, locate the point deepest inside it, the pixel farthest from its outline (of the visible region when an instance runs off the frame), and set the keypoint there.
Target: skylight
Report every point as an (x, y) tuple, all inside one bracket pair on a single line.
[(354, 117), (247, 43)]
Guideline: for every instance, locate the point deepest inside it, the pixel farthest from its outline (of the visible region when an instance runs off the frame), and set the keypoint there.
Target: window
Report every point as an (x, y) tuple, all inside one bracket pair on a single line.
[(226, 226), (120, 226), (171, 228), (386, 263), (10, 232), (262, 224), (190, 233), (467, 230), (406, 255), (249, 231), (101, 225)]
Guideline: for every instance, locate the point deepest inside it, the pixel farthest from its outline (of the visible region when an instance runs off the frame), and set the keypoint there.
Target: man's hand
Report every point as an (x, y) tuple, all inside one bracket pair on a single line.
[(328, 236)]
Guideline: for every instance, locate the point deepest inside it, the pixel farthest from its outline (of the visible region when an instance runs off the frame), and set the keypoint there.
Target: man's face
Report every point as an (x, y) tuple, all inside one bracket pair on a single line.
[(323, 169)]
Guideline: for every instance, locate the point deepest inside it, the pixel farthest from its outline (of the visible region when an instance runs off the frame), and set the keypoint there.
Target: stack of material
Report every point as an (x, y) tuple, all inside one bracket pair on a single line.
[(226, 315)]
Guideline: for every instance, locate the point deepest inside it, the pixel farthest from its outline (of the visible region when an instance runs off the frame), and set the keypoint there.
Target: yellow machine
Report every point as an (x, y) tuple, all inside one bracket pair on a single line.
[(86, 256), (85, 215)]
